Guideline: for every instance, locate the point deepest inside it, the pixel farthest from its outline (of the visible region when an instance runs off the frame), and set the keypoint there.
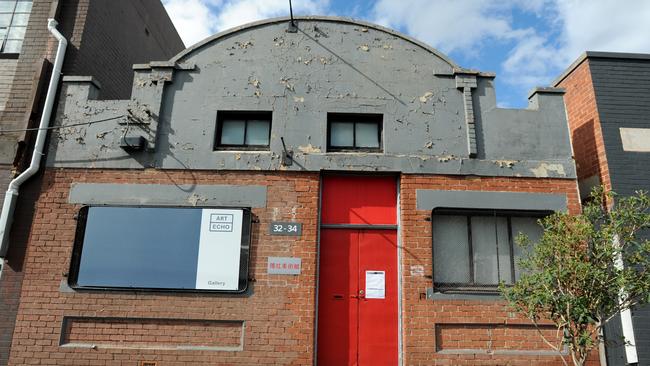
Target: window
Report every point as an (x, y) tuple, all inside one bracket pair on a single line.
[(237, 130), (161, 248), (354, 132), (476, 250), (13, 24)]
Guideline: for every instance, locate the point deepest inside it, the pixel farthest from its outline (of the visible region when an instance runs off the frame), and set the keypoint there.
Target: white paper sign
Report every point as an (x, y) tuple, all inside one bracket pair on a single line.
[(375, 285), (219, 249)]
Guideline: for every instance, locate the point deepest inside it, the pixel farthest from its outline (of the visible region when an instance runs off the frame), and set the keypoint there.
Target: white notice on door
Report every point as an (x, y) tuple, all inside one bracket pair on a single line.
[(375, 285)]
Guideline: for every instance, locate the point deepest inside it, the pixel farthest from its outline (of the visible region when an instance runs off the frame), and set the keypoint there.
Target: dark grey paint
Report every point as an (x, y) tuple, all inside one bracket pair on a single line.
[(622, 89), (330, 65), (428, 199), (168, 195), (285, 228)]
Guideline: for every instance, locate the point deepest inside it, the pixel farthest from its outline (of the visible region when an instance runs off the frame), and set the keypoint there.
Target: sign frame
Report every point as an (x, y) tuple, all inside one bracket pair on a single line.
[(244, 258), (285, 228), (288, 266)]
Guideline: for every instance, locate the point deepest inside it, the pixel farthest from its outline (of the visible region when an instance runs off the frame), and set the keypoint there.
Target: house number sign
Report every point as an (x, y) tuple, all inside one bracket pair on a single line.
[(286, 228)]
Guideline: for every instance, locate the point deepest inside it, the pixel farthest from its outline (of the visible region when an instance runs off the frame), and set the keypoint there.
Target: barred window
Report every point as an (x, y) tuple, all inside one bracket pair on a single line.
[(14, 15), (475, 251)]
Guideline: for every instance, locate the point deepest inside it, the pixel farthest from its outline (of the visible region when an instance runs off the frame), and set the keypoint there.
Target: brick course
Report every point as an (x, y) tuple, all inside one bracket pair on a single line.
[(279, 316), (584, 123), (420, 315)]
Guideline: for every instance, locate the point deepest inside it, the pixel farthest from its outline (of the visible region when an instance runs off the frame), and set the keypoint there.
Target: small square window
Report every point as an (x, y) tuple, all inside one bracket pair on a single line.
[(354, 132), (239, 130)]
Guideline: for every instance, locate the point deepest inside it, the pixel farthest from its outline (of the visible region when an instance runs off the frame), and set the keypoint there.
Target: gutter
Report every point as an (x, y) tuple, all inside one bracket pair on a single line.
[(11, 197)]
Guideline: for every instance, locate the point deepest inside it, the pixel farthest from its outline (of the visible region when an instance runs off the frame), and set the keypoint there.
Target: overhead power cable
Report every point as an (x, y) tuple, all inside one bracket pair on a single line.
[(63, 126)]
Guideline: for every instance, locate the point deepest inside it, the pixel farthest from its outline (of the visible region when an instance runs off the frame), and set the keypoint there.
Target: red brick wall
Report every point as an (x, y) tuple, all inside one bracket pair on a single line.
[(584, 123), (278, 317), (421, 316)]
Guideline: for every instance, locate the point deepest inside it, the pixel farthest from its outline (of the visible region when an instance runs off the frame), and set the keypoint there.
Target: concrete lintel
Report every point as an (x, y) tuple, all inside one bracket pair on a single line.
[(429, 199), (82, 79), (168, 195)]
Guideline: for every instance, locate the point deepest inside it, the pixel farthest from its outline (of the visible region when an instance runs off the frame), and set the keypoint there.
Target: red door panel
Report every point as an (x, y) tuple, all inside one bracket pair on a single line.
[(337, 340), (378, 322), (359, 200), (354, 329)]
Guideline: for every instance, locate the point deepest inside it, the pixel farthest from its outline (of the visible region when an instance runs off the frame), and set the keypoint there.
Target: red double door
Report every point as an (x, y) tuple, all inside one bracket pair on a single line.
[(358, 295)]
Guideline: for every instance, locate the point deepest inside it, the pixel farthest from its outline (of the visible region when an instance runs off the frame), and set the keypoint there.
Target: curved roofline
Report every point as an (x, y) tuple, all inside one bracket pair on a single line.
[(186, 52)]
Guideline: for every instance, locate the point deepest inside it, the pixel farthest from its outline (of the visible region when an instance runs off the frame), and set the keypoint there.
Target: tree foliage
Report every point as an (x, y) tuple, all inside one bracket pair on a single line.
[(574, 277)]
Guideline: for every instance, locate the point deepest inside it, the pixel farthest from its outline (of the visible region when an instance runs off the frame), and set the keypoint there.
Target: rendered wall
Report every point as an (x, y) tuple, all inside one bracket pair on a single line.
[(329, 65)]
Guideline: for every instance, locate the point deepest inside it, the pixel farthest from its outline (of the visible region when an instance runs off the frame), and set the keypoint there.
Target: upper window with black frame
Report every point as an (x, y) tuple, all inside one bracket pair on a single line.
[(354, 132), (14, 15), (239, 130), (475, 251)]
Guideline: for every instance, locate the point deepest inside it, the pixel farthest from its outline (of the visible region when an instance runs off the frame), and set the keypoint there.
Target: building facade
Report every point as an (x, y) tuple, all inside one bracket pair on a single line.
[(331, 193), (96, 47), (608, 100)]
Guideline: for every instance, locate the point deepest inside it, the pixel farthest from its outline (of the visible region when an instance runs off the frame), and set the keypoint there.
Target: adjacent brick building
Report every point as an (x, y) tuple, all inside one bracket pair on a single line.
[(608, 108), (336, 194), (105, 39)]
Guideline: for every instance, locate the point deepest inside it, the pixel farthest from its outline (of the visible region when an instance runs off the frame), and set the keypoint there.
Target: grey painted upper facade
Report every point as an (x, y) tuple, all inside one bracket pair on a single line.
[(437, 117)]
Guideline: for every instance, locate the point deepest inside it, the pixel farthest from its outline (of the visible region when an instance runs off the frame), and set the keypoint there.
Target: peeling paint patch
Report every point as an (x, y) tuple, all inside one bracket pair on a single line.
[(187, 146), (287, 84), (101, 135), (244, 45), (254, 82), (426, 97), (194, 199), (544, 169), (308, 149), (505, 163), (446, 158), (364, 47), (299, 99)]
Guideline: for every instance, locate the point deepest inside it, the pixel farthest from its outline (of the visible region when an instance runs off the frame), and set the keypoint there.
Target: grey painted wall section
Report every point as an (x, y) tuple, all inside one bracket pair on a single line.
[(329, 65), (622, 90), (168, 195), (429, 199)]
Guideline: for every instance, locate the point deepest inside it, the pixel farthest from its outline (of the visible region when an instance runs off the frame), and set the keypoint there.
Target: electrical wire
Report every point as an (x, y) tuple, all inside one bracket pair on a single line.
[(65, 126)]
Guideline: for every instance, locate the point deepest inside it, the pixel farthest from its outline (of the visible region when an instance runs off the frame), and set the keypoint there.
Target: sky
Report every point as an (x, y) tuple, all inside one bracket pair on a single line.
[(527, 43)]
